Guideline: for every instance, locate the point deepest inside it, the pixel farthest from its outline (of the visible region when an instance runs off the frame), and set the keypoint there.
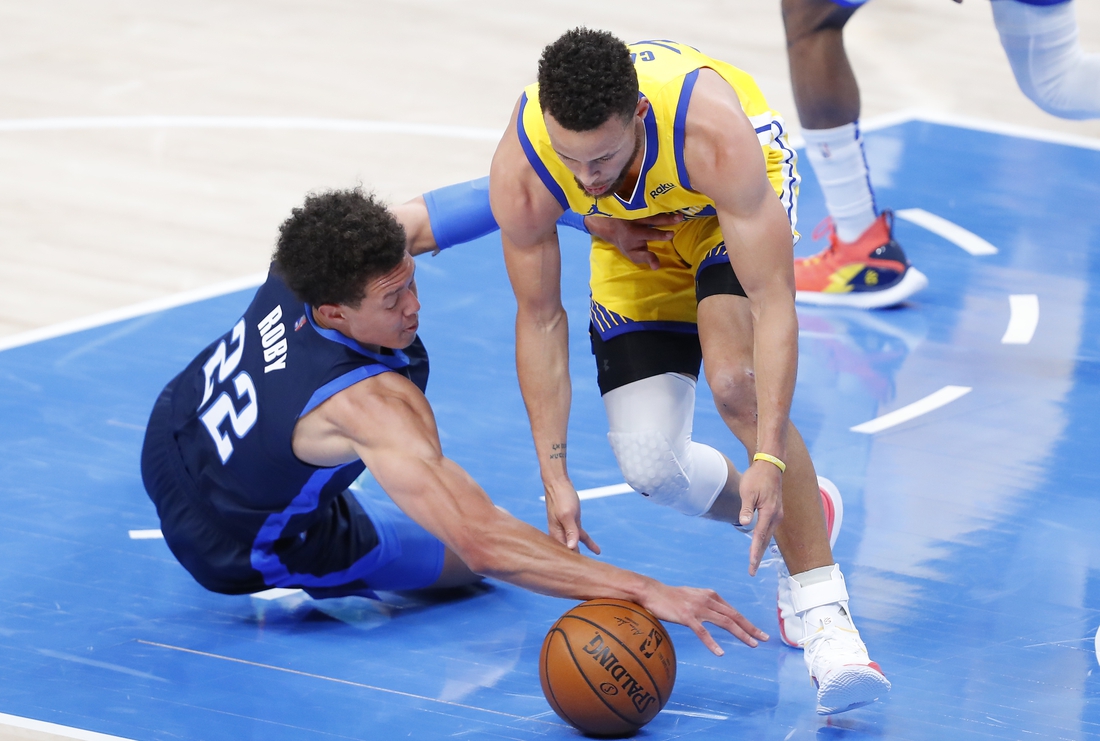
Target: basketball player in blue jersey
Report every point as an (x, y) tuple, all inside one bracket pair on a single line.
[(250, 450), (632, 132), (863, 266)]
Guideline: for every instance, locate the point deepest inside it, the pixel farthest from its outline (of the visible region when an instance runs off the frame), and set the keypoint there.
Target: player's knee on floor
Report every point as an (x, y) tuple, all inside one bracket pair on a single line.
[(687, 479)]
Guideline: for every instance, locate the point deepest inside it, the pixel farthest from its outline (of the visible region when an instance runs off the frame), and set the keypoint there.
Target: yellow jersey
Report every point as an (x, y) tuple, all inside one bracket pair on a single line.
[(667, 72), (627, 297)]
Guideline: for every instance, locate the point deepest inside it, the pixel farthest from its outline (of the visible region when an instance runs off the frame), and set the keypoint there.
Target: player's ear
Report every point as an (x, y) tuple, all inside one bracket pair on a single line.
[(643, 107), (330, 313)]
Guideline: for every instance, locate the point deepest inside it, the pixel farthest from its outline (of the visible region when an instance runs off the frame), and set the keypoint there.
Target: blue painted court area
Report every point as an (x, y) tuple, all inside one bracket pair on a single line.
[(971, 536)]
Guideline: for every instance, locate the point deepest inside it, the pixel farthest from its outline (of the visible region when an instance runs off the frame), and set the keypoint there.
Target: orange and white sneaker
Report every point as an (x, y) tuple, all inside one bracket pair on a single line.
[(836, 657), (790, 626), (869, 273)]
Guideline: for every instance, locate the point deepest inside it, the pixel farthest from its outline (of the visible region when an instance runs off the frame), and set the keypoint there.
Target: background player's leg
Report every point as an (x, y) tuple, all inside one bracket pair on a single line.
[(725, 332), (1051, 68), (825, 89), (863, 266)]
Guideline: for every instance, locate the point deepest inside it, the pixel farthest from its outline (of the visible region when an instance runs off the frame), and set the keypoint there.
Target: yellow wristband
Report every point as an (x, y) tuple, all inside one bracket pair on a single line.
[(771, 459)]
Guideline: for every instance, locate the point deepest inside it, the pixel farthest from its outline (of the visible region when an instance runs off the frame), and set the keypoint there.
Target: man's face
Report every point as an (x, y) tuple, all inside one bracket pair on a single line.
[(600, 158), (388, 314)]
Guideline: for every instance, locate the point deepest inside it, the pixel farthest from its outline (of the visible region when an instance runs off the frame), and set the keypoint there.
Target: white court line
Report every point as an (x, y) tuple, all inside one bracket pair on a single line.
[(275, 593), (270, 123), (344, 681), (146, 534), (132, 311), (946, 395), (1097, 644), (690, 714), (70, 123), (601, 491), (26, 724), (949, 230), (1023, 319), (978, 124)]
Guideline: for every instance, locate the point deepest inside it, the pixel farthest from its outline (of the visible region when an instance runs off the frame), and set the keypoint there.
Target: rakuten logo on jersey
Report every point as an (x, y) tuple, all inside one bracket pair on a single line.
[(661, 189)]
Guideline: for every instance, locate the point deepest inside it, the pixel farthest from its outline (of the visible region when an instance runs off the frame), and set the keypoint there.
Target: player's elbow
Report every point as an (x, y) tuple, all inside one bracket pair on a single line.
[(484, 550)]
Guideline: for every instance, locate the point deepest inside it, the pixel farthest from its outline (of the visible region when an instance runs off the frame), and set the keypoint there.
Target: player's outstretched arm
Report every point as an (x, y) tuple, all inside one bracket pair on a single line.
[(527, 213), (387, 422), (725, 161)]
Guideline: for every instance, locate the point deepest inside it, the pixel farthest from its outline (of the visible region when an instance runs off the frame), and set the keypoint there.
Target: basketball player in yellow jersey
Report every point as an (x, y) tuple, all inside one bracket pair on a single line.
[(633, 132)]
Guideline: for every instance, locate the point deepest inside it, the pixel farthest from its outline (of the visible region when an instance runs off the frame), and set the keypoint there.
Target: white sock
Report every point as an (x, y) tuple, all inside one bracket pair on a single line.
[(838, 161), (1046, 57)]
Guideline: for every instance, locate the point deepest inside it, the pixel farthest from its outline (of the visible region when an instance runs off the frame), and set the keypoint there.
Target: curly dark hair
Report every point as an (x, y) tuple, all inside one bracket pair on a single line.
[(585, 78), (335, 243)]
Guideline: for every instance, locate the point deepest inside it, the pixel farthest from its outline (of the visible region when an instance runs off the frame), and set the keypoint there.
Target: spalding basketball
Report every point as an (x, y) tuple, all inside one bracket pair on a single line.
[(607, 667)]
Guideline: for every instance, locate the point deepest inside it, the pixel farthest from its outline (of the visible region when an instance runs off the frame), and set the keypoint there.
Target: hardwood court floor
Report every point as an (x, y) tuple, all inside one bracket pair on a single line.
[(98, 218)]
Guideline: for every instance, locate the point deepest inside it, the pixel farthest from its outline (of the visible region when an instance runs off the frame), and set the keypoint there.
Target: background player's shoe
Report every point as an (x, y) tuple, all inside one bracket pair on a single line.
[(869, 273), (790, 626), (836, 657)]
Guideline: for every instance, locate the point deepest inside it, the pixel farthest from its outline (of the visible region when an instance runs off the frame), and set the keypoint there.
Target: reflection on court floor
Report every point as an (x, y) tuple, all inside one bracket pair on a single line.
[(970, 535)]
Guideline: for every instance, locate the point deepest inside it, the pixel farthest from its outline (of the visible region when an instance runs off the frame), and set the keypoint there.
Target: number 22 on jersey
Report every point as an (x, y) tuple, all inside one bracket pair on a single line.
[(222, 366)]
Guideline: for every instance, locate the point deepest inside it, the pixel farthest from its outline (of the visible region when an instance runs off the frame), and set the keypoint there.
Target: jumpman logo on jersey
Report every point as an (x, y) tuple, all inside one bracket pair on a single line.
[(595, 210)]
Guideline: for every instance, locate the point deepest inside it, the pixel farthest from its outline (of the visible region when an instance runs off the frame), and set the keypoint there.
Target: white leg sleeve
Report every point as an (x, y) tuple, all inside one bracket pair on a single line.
[(1046, 57), (650, 431)]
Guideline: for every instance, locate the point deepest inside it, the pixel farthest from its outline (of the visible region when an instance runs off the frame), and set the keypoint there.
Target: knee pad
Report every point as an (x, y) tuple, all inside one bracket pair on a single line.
[(688, 480)]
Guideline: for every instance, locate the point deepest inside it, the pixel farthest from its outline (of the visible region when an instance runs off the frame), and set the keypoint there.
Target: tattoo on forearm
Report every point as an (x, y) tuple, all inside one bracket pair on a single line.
[(558, 450)]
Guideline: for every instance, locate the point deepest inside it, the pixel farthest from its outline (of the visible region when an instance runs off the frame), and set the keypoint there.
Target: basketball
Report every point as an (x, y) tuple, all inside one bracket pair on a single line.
[(607, 667)]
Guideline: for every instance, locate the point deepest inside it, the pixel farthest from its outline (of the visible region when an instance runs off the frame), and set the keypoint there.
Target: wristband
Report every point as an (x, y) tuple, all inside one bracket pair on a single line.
[(460, 213), (771, 459), (575, 220)]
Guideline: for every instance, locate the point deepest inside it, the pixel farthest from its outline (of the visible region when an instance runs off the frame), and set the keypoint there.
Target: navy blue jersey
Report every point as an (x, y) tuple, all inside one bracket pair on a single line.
[(232, 413)]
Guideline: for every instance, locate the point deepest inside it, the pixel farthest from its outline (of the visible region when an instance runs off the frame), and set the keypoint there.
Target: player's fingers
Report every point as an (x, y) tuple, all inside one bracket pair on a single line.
[(756, 550), (652, 260), (662, 220), (733, 628), (656, 235), (705, 636), (588, 542), (727, 611)]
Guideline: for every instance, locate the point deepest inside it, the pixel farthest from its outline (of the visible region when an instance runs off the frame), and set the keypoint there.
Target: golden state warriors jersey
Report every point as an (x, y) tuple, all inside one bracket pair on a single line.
[(628, 297), (667, 72)]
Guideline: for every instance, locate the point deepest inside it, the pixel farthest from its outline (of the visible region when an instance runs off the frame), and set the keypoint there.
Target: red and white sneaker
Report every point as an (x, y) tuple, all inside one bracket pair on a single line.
[(790, 626), (870, 273), (836, 657)]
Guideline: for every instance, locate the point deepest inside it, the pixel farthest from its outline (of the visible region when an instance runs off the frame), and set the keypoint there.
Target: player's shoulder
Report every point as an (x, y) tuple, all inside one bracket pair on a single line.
[(379, 395)]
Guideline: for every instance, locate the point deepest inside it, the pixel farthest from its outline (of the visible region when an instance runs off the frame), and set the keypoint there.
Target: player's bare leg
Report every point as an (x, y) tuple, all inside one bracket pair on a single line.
[(863, 266), (812, 592), (825, 89), (725, 332)]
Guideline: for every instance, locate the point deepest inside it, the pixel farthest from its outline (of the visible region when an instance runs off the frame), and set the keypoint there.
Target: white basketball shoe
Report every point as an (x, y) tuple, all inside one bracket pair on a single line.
[(790, 627), (817, 619)]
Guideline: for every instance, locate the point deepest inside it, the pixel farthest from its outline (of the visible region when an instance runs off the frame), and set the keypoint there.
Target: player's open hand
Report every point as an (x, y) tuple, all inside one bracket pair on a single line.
[(693, 607), (633, 237), (563, 517), (762, 493)]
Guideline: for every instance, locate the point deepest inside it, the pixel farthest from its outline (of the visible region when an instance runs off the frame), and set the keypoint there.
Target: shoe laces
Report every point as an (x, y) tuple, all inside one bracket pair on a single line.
[(825, 228), (841, 639)]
